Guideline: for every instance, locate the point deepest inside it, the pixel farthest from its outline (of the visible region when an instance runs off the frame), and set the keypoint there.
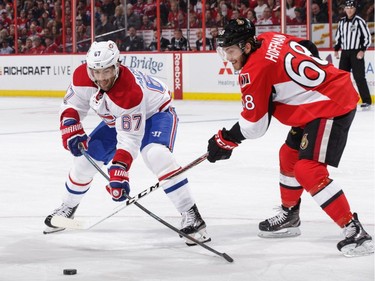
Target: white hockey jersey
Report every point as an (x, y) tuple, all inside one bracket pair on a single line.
[(133, 99)]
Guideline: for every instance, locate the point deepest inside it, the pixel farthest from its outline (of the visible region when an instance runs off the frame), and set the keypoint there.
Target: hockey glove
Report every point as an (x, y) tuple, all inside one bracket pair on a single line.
[(220, 146), (118, 185), (72, 134)]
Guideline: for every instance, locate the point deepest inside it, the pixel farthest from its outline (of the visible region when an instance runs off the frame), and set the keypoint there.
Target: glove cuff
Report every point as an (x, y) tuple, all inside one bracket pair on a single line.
[(123, 158), (223, 142)]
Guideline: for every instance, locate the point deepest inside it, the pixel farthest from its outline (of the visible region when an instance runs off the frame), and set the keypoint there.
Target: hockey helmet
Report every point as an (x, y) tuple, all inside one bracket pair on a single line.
[(351, 3), (236, 32), (102, 55)]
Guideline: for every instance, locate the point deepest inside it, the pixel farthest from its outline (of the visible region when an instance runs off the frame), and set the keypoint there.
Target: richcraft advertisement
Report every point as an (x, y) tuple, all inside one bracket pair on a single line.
[(50, 76)]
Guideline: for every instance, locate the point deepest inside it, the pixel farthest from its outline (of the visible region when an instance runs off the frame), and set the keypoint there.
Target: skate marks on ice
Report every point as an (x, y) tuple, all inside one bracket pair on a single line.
[(127, 246)]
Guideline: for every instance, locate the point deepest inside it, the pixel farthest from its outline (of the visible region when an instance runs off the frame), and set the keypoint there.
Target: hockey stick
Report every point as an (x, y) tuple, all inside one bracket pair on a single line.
[(223, 255), (65, 222)]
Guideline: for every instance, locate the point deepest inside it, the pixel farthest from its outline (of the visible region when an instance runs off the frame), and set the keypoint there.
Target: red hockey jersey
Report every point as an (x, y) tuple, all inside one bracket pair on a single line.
[(283, 79)]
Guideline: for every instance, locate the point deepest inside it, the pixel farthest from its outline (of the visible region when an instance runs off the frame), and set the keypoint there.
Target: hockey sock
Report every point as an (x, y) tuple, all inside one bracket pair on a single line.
[(314, 178), (79, 180), (290, 189), (160, 160)]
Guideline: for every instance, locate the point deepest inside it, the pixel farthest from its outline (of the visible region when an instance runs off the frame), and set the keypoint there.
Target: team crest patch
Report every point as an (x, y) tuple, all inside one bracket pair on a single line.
[(244, 79), (304, 142)]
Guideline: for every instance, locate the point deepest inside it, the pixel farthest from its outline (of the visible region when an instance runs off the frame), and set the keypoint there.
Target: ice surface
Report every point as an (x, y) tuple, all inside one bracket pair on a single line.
[(233, 196)]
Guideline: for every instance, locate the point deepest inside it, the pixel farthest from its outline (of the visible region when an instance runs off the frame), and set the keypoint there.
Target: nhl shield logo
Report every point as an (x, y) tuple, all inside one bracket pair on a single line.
[(304, 142)]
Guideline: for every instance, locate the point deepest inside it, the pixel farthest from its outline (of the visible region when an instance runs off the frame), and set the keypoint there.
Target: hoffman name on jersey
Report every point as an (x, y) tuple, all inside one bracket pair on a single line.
[(275, 46)]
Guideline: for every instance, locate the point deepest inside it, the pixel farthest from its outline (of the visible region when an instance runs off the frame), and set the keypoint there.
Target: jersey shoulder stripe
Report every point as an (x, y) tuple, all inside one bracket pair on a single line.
[(81, 78)]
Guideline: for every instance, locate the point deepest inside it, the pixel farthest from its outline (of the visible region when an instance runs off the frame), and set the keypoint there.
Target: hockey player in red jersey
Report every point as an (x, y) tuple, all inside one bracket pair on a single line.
[(279, 77), (137, 116)]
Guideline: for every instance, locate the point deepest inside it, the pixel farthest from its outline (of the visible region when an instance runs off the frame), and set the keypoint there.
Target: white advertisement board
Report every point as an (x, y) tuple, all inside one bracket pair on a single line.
[(203, 75)]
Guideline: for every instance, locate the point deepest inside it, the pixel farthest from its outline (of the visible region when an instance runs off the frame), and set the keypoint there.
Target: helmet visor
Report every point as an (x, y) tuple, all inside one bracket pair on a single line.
[(229, 53)]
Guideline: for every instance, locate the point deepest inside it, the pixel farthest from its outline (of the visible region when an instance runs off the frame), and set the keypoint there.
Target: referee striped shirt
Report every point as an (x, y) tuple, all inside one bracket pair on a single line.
[(352, 34)]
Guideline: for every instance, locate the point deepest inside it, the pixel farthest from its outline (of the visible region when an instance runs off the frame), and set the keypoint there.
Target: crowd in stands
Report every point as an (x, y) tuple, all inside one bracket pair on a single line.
[(40, 27)]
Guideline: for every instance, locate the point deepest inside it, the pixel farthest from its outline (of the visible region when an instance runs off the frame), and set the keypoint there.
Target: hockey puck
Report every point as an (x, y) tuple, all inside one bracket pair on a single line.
[(70, 271)]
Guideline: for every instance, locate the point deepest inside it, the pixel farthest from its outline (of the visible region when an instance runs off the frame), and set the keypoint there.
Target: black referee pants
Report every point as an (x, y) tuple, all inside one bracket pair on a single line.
[(349, 62)]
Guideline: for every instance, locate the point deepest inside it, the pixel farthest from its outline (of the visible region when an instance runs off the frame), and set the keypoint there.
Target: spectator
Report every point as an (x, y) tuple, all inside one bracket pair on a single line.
[(119, 24), (146, 23), (212, 41), (5, 48), (179, 42), (22, 20), (210, 22), (318, 16), (235, 14), (266, 18), (57, 37), (225, 12), (194, 21), (244, 8), (290, 9), (300, 17), (149, 9), (27, 48), (133, 18), (108, 8), (138, 8), (105, 29), (164, 42), (173, 15), (251, 16), (261, 5), (37, 48), (181, 19), (51, 46), (132, 42), (44, 19), (163, 13), (84, 16), (368, 12), (199, 41), (83, 40), (5, 20)]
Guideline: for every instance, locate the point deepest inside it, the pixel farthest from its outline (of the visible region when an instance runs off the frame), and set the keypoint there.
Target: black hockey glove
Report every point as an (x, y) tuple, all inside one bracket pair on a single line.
[(220, 146)]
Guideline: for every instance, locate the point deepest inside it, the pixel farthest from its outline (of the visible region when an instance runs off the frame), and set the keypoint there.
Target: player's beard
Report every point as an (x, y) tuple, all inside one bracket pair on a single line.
[(106, 84), (240, 62)]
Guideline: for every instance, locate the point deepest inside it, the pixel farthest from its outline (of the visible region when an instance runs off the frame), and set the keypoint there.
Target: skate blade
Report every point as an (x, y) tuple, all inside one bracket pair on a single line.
[(352, 250), (50, 230), (201, 236), (282, 233)]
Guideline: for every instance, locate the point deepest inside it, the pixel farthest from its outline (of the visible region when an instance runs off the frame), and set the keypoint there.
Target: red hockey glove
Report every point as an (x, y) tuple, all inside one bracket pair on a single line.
[(220, 146), (72, 134), (118, 185)]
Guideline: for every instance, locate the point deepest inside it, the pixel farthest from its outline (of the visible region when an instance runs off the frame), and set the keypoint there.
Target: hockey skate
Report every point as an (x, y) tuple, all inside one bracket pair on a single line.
[(64, 211), (285, 224), (357, 241), (193, 225)]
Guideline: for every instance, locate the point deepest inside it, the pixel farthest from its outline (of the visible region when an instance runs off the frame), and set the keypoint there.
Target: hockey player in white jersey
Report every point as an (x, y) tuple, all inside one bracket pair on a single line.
[(136, 116)]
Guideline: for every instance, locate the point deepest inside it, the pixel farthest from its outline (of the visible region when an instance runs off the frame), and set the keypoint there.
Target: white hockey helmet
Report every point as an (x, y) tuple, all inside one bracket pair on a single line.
[(102, 55)]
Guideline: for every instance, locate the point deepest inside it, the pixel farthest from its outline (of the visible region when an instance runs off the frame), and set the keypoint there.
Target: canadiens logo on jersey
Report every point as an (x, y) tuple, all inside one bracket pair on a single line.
[(244, 79), (304, 142)]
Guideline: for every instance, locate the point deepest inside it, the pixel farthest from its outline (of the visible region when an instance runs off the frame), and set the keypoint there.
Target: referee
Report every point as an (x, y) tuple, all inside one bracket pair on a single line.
[(353, 38)]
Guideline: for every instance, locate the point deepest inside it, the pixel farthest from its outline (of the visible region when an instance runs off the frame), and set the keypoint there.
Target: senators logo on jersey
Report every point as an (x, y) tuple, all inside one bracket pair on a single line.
[(244, 79)]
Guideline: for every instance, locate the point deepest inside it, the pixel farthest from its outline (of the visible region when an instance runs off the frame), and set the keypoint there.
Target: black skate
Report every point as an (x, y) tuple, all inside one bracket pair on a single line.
[(357, 241), (64, 211), (193, 225), (365, 106), (285, 224)]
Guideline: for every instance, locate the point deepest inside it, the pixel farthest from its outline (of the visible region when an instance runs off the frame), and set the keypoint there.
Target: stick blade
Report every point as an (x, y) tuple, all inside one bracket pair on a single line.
[(64, 222)]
